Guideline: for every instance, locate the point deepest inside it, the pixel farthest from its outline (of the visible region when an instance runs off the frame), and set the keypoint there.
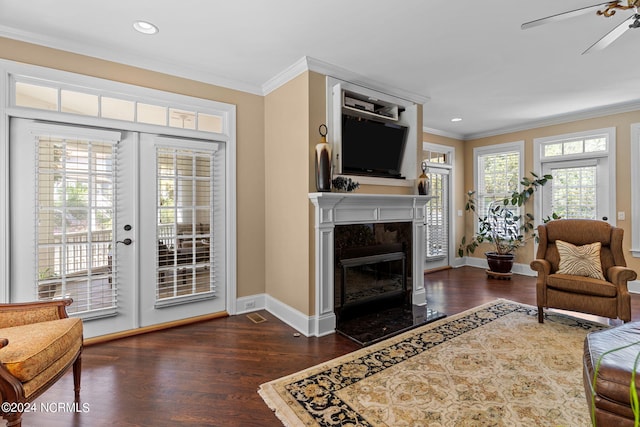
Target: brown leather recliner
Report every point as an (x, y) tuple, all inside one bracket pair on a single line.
[(607, 298)]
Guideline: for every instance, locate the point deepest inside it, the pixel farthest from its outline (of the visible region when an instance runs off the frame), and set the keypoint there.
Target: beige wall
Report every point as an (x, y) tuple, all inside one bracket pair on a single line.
[(622, 122), (286, 189), (250, 140)]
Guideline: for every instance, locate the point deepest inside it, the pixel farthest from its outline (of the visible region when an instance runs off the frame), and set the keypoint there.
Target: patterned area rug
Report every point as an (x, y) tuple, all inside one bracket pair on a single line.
[(494, 365)]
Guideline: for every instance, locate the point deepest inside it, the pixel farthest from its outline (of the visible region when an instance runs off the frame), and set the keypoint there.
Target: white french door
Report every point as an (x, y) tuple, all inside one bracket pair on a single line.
[(183, 260), (437, 219), (89, 211)]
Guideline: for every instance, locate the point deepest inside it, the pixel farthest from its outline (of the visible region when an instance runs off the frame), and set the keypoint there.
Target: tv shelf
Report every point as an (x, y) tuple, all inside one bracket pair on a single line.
[(368, 107), (350, 99)]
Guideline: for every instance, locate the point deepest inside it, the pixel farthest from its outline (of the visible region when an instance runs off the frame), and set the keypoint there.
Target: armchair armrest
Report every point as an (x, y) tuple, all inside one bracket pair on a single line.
[(620, 275), (542, 266), (19, 314)]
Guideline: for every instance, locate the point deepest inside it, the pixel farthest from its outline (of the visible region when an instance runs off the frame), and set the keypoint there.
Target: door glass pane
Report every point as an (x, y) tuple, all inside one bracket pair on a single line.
[(74, 228), (184, 213), (437, 217), (574, 192)]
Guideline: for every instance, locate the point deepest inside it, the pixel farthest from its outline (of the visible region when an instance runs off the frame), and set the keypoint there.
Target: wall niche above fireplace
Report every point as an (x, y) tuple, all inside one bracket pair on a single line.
[(345, 99)]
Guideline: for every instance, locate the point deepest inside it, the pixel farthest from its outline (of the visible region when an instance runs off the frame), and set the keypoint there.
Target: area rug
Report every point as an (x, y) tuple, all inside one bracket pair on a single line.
[(493, 365)]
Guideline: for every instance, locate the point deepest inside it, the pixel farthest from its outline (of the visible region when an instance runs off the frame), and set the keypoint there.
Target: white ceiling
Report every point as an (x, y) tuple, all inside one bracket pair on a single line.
[(470, 59)]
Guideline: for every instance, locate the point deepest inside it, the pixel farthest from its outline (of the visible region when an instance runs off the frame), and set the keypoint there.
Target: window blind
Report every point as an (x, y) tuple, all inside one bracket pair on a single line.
[(74, 218)]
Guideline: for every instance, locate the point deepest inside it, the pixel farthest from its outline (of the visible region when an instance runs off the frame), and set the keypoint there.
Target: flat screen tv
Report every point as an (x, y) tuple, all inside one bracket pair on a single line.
[(371, 147)]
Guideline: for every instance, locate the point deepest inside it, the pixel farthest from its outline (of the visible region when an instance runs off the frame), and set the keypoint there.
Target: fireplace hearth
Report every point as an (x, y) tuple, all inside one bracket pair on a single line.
[(370, 328)]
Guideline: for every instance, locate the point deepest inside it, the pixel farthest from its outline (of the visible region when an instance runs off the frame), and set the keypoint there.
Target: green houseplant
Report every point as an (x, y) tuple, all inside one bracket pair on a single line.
[(502, 226)]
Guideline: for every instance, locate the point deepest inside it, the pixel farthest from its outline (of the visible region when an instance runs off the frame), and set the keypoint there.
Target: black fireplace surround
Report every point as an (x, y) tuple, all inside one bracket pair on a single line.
[(372, 268)]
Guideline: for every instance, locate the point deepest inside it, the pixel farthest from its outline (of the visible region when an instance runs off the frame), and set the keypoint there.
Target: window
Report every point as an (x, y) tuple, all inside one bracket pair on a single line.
[(51, 96), (498, 169), (583, 168), (574, 191)]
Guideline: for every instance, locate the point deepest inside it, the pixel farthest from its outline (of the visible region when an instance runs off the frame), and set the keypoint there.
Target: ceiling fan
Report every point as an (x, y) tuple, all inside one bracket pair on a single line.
[(606, 9)]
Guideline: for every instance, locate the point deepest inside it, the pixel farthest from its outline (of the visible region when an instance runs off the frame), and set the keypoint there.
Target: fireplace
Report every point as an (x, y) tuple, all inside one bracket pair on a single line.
[(332, 210), (371, 268)]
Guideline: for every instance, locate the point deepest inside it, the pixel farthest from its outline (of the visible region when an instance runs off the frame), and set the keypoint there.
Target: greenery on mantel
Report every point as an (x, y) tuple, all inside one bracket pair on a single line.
[(341, 183), (501, 227)]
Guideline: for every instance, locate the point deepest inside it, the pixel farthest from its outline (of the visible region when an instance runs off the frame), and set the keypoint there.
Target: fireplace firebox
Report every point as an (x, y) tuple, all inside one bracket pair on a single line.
[(371, 268)]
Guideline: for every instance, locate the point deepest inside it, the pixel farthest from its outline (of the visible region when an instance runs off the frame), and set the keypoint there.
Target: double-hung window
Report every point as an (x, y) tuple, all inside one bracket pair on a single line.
[(498, 169)]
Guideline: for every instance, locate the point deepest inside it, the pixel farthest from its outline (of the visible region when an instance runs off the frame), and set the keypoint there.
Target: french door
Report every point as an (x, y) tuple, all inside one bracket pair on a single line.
[(437, 219), (119, 221)]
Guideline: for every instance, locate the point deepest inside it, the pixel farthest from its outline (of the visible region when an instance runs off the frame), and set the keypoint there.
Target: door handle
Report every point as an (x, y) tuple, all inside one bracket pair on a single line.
[(126, 241)]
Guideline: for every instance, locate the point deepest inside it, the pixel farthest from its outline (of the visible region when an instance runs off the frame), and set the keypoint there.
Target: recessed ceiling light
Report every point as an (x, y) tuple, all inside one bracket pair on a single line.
[(145, 27), (456, 119)]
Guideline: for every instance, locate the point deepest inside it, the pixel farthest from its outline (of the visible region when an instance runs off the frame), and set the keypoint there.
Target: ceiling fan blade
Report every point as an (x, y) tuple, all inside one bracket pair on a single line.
[(564, 15), (611, 36)]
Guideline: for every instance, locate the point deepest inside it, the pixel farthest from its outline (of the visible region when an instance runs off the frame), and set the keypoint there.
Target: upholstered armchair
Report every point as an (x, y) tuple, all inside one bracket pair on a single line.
[(581, 267), (38, 344)]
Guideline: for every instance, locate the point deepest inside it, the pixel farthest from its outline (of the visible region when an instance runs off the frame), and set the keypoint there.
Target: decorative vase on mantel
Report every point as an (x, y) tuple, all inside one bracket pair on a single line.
[(423, 181), (323, 162)]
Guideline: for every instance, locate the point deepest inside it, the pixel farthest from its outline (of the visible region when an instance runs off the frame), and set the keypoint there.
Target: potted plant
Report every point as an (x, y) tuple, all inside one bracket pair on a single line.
[(502, 226)]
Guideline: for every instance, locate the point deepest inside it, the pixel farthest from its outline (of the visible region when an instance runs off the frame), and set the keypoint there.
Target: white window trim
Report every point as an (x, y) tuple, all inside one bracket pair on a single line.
[(448, 150), (496, 149), (635, 190), (610, 154), (8, 69)]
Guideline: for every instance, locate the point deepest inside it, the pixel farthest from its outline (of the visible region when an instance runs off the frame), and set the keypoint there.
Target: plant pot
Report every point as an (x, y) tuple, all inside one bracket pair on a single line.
[(500, 263)]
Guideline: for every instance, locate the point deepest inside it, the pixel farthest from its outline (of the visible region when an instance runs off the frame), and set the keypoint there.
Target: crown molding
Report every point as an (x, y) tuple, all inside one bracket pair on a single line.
[(163, 67), (444, 133), (286, 75), (308, 63), (560, 119)]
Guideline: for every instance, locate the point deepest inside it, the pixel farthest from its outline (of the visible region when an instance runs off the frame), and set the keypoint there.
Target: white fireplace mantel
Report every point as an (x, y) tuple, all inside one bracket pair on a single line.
[(333, 209)]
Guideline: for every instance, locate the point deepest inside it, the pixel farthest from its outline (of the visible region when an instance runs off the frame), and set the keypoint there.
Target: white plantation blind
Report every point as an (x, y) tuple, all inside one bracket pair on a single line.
[(574, 192), (185, 215), (74, 219), (498, 176), (437, 216)]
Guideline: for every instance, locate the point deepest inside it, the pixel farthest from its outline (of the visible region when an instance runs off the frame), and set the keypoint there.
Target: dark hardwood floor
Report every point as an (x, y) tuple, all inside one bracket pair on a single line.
[(208, 373)]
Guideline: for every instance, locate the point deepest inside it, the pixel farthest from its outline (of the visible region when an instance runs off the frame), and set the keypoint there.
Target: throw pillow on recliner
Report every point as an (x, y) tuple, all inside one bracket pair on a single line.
[(580, 260)]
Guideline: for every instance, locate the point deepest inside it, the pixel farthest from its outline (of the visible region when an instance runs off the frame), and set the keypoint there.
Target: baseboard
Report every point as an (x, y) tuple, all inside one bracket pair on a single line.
[(251, 303), (517, 268), (633, 286), (306, 325), (312, 326)]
